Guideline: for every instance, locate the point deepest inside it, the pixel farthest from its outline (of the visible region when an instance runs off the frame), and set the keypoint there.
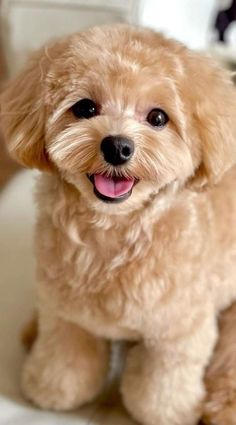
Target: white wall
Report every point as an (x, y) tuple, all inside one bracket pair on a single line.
[(27, 24), (185, 20)]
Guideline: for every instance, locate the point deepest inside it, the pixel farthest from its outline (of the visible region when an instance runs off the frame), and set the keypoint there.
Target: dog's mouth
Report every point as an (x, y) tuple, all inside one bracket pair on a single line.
[(112, 188)]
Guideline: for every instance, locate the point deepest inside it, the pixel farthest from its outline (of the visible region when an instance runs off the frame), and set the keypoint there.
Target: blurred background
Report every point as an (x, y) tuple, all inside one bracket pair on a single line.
[(205, 25)]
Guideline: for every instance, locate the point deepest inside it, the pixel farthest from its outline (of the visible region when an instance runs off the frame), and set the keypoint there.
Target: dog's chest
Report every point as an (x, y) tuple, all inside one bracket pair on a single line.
[(105, 281)]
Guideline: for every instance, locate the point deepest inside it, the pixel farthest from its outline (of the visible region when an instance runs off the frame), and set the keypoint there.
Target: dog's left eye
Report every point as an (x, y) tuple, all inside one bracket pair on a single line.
[(85, 108), (157, 118)]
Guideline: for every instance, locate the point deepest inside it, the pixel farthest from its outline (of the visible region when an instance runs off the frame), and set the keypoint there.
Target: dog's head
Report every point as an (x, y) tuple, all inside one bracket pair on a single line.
[(122, 113)]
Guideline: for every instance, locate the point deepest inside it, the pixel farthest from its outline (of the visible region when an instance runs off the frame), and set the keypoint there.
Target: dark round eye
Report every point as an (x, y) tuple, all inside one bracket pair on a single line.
[(85, 108), (157, 118)]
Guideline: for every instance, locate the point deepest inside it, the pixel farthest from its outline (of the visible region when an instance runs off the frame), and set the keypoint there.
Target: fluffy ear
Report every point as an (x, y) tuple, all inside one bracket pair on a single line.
[(213, 101), (23, 115)]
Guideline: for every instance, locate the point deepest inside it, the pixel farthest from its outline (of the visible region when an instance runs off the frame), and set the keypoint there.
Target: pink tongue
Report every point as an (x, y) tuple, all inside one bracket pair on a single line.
[(112, 186)]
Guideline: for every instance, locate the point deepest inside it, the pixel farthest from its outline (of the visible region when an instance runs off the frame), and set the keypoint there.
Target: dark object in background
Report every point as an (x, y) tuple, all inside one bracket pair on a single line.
[(224, 19)]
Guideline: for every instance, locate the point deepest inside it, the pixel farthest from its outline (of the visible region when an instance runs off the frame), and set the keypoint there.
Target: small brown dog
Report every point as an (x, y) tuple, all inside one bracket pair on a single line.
[(129, 129)]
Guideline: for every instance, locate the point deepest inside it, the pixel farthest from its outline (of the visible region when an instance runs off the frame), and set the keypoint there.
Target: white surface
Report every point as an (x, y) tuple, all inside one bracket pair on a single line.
[(185, 20), (28, 24), (16, 304)]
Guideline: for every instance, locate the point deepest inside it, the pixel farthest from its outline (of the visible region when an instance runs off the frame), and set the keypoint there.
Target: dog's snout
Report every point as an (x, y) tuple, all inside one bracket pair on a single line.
[(117, 149)]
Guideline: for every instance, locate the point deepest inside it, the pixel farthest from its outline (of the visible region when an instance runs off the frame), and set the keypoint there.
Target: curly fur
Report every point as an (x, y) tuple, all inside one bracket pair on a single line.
[(156, 269)]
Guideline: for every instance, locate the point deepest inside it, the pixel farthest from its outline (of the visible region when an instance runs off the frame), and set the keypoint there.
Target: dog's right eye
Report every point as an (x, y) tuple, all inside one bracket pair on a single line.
[(85, 108)]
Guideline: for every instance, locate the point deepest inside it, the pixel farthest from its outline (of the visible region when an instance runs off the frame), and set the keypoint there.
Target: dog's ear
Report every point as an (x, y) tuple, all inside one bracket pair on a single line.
[(23, 114), (213, 102)]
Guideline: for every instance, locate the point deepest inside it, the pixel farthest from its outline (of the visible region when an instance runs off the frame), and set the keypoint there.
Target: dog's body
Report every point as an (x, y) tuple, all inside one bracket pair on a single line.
[(155, 269), (130, 273)]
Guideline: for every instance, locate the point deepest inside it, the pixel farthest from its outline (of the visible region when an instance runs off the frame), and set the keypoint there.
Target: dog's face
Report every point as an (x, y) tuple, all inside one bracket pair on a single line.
[(117, 132), (122, 114)]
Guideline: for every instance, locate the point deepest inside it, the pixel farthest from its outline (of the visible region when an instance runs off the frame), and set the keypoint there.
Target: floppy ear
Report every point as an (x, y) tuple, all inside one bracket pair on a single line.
[(214, 105), (23, 115)]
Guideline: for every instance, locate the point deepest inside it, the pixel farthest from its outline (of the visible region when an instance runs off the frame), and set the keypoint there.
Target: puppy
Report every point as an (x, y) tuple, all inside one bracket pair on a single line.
[(135, 236)]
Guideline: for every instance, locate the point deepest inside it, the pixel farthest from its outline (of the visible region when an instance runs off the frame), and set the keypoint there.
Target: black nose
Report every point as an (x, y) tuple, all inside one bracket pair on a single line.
[(117, 149)]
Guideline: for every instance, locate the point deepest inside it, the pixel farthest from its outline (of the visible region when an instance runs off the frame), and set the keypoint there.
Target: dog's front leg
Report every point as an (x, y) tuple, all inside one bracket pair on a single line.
[(66, 367), (163, 382)]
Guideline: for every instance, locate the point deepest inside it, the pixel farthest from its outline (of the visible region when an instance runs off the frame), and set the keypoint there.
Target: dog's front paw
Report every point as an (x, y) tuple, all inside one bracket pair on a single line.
[(58, 387), (65, 377), (50, 388), (155, 396)]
